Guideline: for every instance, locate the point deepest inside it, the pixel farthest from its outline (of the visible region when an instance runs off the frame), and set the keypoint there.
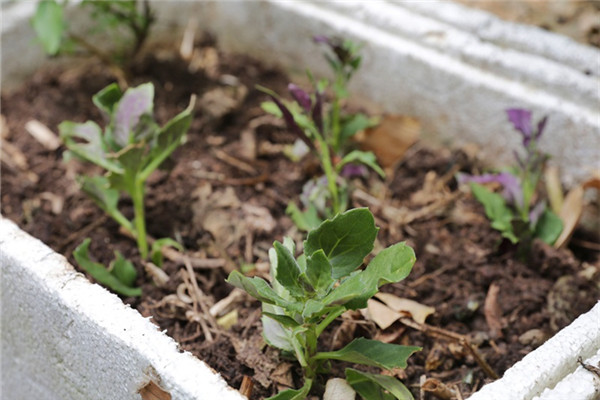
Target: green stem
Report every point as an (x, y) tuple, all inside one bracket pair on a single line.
[(331, 176), (335, 125), (139, 217), (329, 319)]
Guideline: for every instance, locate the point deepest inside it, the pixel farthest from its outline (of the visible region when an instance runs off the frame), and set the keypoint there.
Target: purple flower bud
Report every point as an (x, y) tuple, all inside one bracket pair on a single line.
[(521, 120), (536, 212), (540, 127), (301, 97), (353, 170), (513, 193)]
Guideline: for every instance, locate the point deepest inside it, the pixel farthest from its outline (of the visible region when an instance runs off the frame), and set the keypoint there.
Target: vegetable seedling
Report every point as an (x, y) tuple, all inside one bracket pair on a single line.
[(129, 149), (307, 293), (517, 213), (322, 127)]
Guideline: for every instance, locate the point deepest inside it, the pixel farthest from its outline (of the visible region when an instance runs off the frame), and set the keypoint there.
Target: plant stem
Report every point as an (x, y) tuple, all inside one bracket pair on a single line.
[(139, 218), (331, 176), (335, 125)]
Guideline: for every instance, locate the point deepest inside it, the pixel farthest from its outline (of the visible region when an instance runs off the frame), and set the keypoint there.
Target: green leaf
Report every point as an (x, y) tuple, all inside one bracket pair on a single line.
[(107, 98), (135, 102), (364, 157), (260, 290), (99, 190), (284, 320), (274, 333), (271, 108), (123, 269), (319, 272), (49, 25), (548, 227), (100, 273), (85, 141), (496, 210), (391, 265), (355, 123), (371, 352), (304, 220), (292, 394), (156, 254), (375, 387), (288, 272), (346, 240)]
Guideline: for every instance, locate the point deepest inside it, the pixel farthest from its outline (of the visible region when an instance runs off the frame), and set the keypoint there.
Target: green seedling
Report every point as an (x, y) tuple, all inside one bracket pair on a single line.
[(129, 149), (309, 292), (322, 127)]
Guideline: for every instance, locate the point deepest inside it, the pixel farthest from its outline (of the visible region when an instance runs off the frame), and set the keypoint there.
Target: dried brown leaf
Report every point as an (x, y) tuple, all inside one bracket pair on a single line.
[(381, 314), (418, 311)]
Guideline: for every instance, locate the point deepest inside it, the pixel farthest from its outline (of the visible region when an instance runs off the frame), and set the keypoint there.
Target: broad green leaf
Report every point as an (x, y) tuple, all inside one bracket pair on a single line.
[(371, 352), (548, 227), (288, 271), (274, 333), (123, 269), (391, 265), (85, 141), (304, 220), (156, 254), (354, 124), (363, 157), (107, 98), (134, 103), (319, 272), (346, 240), (292, 394), (100, 273), (284, 320), (377, 387), (260, 290), (49, 25), (496, 210)]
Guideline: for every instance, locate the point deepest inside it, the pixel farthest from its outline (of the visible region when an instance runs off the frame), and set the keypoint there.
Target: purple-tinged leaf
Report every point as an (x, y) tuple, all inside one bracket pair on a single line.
[(540, 127), (133, 105), (291, 122), (354, 170), (301, 97), (321, 39), (536, 212), (513, 193), (521, 120)]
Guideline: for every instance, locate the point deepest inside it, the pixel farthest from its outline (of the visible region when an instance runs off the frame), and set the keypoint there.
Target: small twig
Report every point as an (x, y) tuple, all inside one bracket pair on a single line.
[(234, 162), (247, 386), (463, 340), (589, 367)]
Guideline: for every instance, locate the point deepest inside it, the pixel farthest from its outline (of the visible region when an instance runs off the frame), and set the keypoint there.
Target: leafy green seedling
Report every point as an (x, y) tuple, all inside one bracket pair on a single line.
[(134, 16), (307, 293), (323, 128), (130, 148), (515, 212)]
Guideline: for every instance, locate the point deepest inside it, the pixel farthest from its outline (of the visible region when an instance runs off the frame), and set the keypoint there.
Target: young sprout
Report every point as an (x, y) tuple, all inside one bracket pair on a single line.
[(516, 212), (129, 149), (307, 293)]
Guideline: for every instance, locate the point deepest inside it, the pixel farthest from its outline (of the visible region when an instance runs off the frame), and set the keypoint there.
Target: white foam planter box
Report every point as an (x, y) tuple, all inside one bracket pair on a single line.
[(456, 69)]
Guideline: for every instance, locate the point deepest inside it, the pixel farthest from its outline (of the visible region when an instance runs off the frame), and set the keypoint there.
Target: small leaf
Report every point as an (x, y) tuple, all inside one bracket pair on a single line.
[(123, 269), (319, 272), (338, 389), (288, 271), (107, 98), (100, 273), (496, 210), (354, 124), (260, 290), (273, 332), (292, 394), (284, 320), (366, 158), (49, 25), (271, 108), (371, 352), (372, 386), (134, 103), (346, 240), (304, 220), (548, 227), (107, 198), (156, 254)]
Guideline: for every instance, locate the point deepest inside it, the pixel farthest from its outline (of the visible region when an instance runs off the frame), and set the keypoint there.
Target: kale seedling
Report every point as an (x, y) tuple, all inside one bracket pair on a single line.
[(131, 147), (517, 213), (52, 28), (307, 293), (325, 130)]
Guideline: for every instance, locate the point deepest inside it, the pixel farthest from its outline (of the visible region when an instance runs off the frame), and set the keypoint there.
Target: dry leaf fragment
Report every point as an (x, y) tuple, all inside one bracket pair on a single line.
[(153, 392), (338, 389), (390, 139), (418, 311), (228, 320), (43, 134), (381, 314), (158, 275), (493, 314), (437, 389)]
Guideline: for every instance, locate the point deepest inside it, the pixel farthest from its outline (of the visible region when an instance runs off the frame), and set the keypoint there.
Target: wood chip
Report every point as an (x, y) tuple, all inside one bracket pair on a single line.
[(43, 134), (154, 392), (493, 314)]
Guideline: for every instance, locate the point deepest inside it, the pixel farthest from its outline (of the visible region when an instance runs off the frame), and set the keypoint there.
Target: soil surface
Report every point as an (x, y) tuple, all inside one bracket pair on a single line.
[(224, 196)]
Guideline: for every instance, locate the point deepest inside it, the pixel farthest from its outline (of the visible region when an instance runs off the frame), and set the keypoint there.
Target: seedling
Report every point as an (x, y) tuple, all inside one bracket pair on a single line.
[(323, 128), (307, 293), (52, 28), (517, 213), (130, 148)]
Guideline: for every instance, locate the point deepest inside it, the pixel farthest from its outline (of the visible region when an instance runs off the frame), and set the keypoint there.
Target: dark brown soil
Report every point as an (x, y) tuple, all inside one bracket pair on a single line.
[(227, 204)]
